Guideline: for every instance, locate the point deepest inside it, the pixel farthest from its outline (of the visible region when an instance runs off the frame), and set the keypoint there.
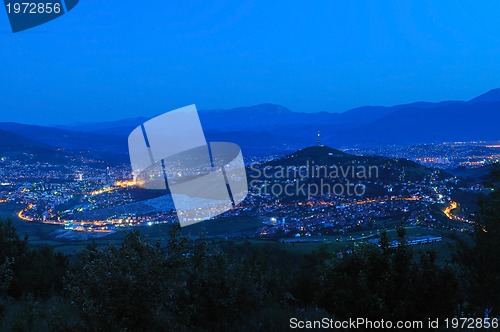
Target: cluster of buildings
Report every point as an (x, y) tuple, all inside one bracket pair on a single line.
[(425, 202), (89, 196), (446, 155)]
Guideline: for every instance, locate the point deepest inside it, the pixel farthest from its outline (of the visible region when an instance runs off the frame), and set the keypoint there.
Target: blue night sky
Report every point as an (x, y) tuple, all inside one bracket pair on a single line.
[(109, 60)]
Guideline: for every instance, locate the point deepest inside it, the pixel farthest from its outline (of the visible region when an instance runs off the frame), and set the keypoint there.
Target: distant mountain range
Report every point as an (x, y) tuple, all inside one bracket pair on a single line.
[(269, 128), (20, 147)]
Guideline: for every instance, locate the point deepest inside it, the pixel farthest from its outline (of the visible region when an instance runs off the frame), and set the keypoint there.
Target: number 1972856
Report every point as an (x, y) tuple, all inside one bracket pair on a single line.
[(33, 8)]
